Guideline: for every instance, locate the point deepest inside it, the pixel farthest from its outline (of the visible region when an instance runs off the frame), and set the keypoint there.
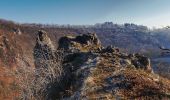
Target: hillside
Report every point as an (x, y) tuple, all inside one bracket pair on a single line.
[(91, 71), (139, 38), (77, 62), (110, 74)]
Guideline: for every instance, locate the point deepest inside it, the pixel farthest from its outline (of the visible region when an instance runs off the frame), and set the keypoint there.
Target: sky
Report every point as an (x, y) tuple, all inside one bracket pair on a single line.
[(84, 12)]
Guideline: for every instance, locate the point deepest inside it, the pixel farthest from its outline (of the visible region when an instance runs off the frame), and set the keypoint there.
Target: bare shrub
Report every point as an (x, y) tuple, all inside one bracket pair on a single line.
[(38, 83)]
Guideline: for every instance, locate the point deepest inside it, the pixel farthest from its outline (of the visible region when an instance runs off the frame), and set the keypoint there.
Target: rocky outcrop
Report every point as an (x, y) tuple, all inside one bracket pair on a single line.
[(101, 73), (94, 72), (137, 61), (141, 62), (104, 75), (84, 43), (47, 59), (44, 51), (48, 67)]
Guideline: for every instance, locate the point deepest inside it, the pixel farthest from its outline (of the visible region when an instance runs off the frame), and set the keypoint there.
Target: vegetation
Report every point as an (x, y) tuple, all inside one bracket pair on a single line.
[(32, 70)]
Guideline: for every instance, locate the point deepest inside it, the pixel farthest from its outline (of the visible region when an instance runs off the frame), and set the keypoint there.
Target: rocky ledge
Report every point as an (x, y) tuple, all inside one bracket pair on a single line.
[(94, 72)]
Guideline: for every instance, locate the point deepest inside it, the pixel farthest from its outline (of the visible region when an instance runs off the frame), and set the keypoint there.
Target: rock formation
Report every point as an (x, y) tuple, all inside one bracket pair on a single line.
[(85, 43), (138, 61), (44, 51), (94, 72), (48, 68), (141, 62), (47, 59)]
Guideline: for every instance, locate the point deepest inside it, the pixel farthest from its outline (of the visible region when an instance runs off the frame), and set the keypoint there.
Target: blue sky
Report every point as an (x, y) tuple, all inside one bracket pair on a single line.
[(146, 12)]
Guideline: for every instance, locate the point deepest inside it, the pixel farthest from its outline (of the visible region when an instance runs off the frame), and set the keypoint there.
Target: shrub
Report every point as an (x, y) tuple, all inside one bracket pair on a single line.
[(38, 83)]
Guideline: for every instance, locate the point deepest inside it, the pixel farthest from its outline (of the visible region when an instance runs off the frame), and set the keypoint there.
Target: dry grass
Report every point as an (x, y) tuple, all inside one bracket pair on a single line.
[(139, 84), (108, 81), (8, 88), (28, 83)]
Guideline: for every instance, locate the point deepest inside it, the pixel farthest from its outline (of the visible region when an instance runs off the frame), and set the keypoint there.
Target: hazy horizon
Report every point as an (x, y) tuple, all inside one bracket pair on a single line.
[(77, 12)]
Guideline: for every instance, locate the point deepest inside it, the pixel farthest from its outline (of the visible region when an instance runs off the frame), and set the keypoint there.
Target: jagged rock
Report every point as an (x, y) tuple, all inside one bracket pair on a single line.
[(45, 55), (93, 72), (137, 61), (48, 64), (104, 76), (140, 62), (44, 49), (84, 43)]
